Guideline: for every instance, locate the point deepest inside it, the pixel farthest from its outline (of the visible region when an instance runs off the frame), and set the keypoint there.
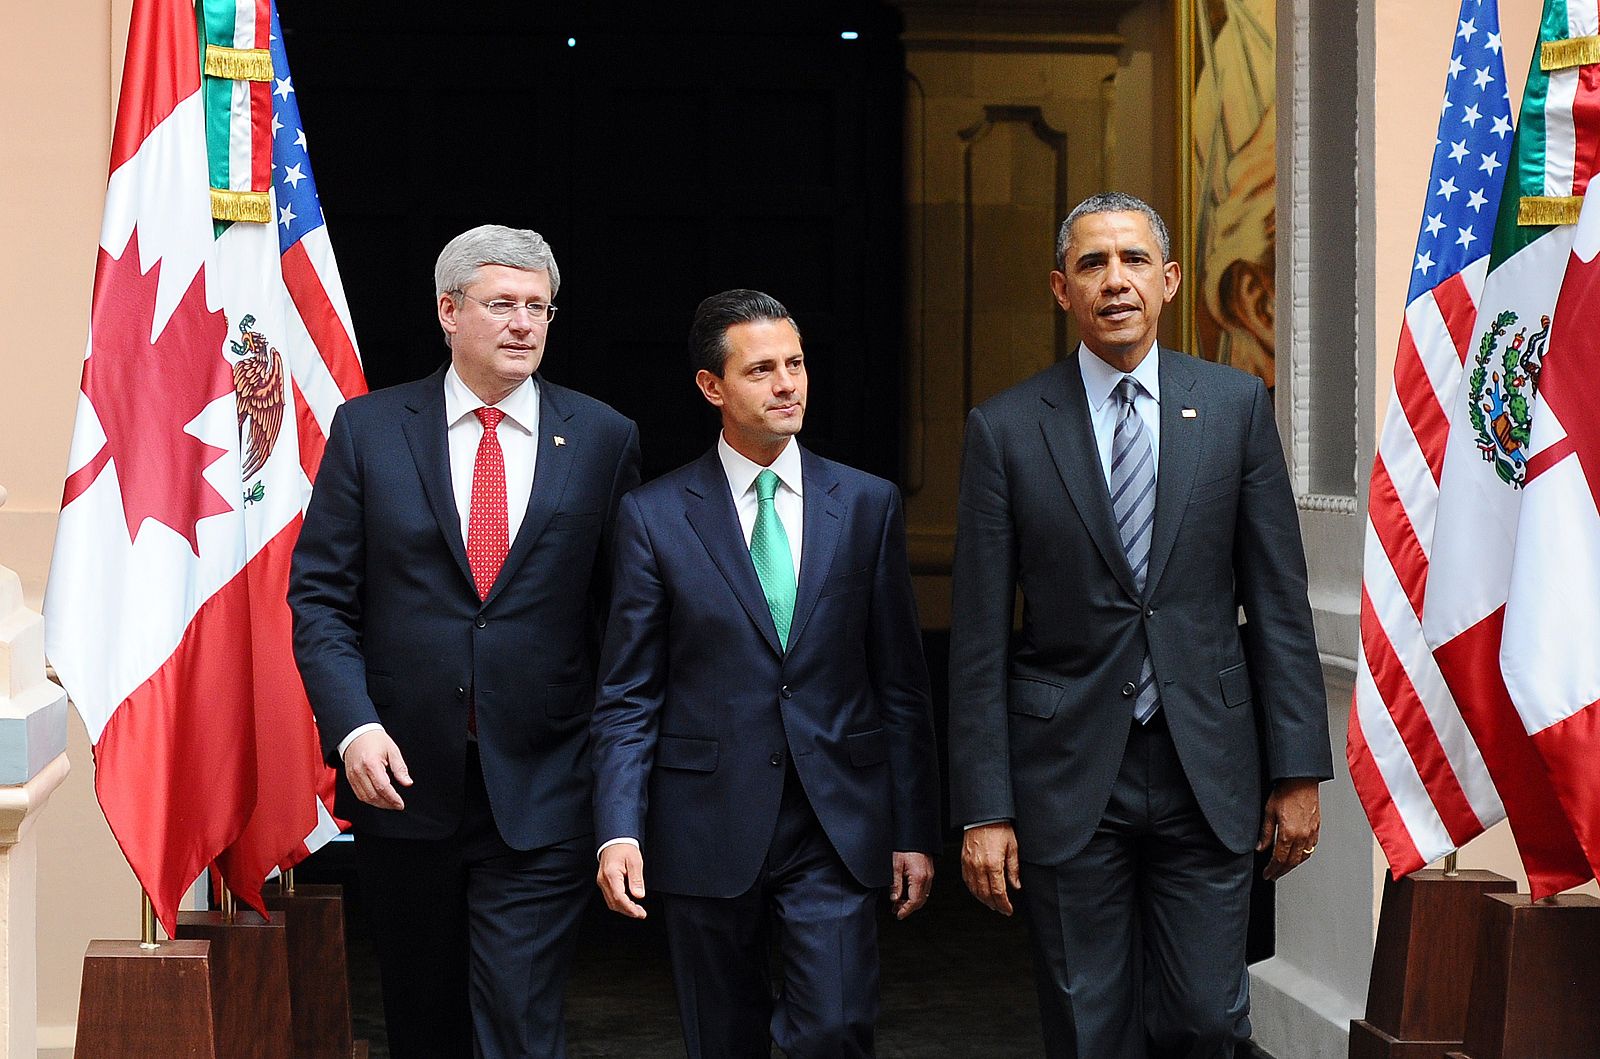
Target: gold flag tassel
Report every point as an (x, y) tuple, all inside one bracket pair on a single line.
[(238, 64), (229, 205), (1565, 54), (1546, 210)]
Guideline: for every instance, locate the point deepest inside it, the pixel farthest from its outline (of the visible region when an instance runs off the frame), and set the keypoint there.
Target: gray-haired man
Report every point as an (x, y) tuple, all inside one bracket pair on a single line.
[(447, 591)]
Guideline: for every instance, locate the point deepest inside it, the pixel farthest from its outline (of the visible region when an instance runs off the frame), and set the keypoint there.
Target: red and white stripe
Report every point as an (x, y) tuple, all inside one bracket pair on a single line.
[(1414, 762)]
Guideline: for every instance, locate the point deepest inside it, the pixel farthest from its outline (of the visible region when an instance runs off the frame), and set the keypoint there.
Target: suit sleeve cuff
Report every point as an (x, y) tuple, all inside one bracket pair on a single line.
[(985, 823), (614, 842), (356, 733)]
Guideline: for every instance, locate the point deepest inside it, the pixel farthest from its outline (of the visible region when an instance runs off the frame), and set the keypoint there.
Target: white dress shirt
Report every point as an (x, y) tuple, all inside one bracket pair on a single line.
[(519, 442), (1099, 386), (789, 501)]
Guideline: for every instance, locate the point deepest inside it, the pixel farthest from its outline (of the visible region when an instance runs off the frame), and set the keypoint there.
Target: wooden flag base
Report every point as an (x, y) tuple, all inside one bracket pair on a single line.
[(1422, 964), (139, 1002), (319, 984), (1536, 969), (250, 982)]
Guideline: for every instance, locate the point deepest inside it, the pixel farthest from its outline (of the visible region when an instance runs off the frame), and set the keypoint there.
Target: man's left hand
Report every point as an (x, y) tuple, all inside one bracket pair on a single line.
[(913, 881), (1289, 826)]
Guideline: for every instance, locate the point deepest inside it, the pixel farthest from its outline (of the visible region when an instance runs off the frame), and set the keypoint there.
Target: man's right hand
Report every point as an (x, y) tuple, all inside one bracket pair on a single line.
[(989, 862), (621, 879), (368, 762)]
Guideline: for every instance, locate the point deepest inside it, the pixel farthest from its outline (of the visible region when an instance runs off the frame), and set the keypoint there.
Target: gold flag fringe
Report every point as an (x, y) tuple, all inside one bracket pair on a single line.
[(241, 206), (1565, 54), (238, 64), (1545, 210)]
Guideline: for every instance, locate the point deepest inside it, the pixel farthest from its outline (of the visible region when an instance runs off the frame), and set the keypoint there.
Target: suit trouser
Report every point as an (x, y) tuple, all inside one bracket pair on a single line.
[(827, 936), (475, 939), (1139, 940)]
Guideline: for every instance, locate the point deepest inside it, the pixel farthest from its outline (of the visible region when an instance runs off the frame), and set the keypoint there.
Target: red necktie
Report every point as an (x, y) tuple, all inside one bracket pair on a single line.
[(488, 538)]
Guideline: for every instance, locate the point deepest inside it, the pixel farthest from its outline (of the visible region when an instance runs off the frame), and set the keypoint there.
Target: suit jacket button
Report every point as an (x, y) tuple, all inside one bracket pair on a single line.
[(786, 693), (461, 694), (483, 622), (1128, 689), (1150, 612), (776, 759)]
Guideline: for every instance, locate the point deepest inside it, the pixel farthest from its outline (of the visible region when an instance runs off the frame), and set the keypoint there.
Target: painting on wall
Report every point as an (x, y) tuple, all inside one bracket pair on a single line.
[(1228, 164)]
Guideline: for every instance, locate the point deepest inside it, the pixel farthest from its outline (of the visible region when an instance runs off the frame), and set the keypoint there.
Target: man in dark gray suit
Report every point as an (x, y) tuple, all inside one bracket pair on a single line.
[(1112, 762)]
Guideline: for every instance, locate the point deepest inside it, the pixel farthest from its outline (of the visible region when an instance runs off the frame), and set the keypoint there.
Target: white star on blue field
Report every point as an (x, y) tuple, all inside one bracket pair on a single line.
[(1469, 155)]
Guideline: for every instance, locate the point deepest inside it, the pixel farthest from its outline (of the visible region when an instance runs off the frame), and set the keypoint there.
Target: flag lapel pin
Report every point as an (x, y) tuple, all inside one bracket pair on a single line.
[(1189, 413), (559, 440)]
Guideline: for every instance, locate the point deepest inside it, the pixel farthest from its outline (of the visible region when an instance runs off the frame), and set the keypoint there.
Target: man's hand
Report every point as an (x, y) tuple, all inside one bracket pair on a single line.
[(989, 862), (621, 879), (1289, 826), (913, 881), (368, 762)]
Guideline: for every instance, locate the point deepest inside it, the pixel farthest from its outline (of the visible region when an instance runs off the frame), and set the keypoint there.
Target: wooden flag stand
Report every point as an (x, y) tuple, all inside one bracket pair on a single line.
[(250, 979), (1421, 967), (319, 984), (143, 998), (1534, 978)]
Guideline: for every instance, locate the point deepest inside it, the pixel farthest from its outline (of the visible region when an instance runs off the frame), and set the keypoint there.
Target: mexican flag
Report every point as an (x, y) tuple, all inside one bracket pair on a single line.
[(219, 347), (1487, 456)]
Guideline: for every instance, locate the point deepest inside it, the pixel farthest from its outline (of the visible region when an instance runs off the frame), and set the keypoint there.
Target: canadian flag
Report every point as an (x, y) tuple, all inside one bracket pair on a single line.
[(218, 350), (1550, 650)]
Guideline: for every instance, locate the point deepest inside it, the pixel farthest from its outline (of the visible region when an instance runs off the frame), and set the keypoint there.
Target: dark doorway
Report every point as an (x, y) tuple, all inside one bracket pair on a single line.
[(667, 152)]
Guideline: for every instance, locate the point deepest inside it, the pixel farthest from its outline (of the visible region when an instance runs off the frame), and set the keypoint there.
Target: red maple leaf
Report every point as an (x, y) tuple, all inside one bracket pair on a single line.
[(144, 393)]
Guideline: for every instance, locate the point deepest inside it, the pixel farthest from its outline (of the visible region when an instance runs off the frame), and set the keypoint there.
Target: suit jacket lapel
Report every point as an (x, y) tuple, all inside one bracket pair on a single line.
[(711, 512), (425, 433), (824, 517), (550, 472), (1069, 435), (1180, 456)]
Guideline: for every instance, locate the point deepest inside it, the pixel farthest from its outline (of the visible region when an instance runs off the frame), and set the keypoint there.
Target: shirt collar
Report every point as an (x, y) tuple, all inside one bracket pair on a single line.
[(1100, 378), (520, 405), (741, 472)]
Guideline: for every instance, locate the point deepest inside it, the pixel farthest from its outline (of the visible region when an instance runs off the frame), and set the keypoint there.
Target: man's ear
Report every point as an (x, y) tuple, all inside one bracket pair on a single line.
[(447, 314), (1171, 276), (710, 386), (1058, 287)]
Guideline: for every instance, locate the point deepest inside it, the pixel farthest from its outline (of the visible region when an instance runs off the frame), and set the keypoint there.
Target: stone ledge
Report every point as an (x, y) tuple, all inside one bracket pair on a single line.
[(1296, 1016), (20, 805)]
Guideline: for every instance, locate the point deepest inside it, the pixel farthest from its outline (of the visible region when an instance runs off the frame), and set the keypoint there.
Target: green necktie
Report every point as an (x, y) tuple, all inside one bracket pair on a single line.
[(769, 550)]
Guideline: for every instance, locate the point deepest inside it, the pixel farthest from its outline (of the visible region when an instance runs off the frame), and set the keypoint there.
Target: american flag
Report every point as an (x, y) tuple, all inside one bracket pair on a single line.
[(309, 270), (1414, 763)]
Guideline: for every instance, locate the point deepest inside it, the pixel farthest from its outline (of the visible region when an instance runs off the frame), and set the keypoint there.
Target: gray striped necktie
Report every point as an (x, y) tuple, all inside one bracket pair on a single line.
[(1133, 503)]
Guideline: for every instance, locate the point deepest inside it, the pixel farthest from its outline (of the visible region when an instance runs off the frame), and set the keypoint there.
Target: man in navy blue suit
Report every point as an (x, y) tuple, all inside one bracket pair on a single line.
[(448, 590), (762, 736)]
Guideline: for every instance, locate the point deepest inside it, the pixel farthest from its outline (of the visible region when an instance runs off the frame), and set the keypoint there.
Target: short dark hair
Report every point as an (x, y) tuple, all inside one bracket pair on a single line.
[(1112, 202), (708, 335)]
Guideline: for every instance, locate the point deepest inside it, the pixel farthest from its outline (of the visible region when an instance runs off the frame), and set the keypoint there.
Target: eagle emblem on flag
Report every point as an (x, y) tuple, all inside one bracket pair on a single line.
[(1502, 401), (258, 388)]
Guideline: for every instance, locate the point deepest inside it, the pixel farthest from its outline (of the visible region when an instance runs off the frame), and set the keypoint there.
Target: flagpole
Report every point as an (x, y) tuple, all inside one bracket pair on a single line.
[(226, 904), (286, 881), (147, 922), (1451, 870)]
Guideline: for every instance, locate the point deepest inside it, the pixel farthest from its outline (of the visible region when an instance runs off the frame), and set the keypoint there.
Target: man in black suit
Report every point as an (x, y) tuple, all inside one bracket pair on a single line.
[(762, 737), (448, 592), (1113, 760)]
